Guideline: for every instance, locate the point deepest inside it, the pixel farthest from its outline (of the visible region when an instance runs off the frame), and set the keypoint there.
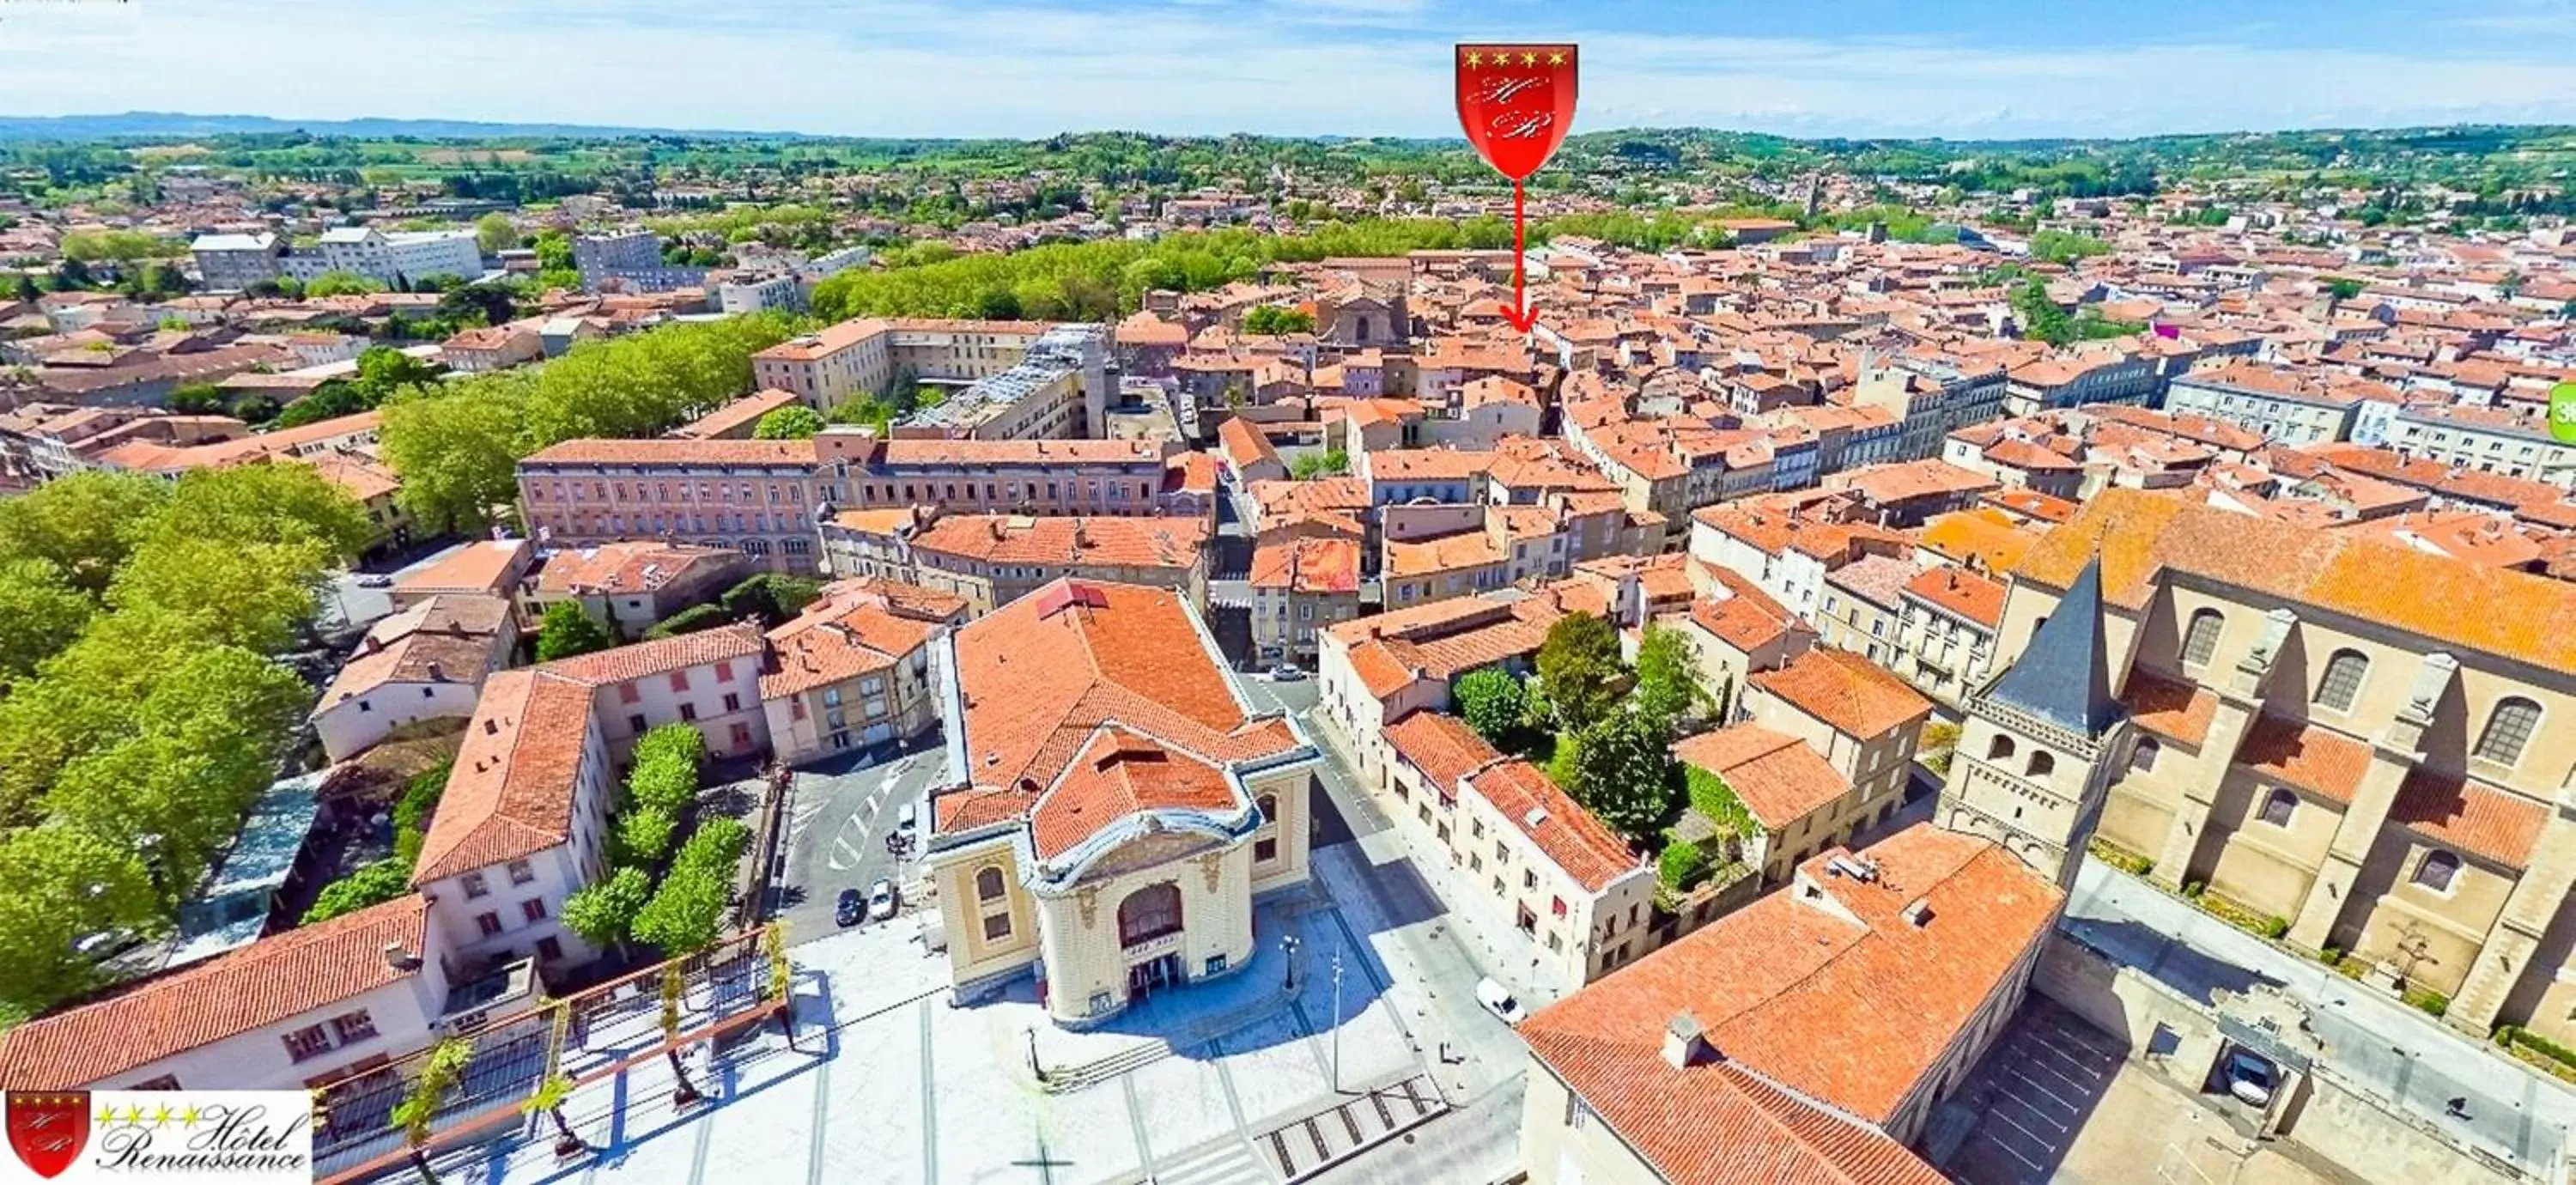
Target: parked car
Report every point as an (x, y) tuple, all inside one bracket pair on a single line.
[(881, 900), (1286, 673), (1498, 1000), (850, 907), (2251, 1079), (375, 580)]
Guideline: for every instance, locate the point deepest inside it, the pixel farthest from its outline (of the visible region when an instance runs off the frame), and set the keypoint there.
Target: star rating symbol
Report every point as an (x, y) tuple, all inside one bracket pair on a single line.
[(1529, 59), (1475, 60), (1556, 59), (188, 1118)]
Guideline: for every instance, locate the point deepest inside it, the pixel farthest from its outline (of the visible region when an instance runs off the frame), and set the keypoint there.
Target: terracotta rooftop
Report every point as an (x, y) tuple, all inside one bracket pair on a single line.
[(1843, 689), (482, 566), (2477, 818), (272, 980), (1068, 541), (1805, 1011), (1777, 777), (1443, 747), (1040, 675), (2139, 534), (1566, 833)]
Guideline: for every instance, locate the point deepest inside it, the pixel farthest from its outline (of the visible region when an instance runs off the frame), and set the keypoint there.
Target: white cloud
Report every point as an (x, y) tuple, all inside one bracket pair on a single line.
[(915, 67)]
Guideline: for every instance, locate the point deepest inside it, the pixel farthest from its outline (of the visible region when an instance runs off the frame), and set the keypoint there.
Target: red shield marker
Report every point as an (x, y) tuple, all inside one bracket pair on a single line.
[(1516, 102), (47, 1129)]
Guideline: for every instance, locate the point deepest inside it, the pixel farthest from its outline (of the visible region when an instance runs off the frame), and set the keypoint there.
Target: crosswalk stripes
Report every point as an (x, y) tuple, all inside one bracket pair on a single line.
[(1225, 1162)]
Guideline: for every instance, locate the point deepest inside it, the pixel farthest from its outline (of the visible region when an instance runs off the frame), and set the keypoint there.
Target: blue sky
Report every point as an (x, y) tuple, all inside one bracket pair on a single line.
[(1355, 67)]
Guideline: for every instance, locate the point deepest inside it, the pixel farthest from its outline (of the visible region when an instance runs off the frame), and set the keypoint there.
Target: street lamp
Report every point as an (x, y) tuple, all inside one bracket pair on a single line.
[(1288, 947), (1337, 1018)]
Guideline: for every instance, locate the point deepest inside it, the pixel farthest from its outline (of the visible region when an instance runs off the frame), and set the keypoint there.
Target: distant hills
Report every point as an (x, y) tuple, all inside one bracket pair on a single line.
[(173, 125)]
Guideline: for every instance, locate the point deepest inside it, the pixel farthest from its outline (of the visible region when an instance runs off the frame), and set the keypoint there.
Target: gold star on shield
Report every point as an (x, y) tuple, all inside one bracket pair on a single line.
[(1475, 60), (1556, 59), (1529, 59)]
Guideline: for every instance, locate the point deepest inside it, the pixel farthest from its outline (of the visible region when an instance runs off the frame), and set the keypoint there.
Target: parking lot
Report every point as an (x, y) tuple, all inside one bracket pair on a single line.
[(2032, 1095)]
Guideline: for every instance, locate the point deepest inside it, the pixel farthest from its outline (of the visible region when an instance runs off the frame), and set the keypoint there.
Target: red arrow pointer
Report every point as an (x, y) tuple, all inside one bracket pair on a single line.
[(1515, 103)]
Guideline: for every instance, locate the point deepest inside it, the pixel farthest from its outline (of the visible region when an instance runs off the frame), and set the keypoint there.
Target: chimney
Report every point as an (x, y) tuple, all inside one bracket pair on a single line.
[(1685, 1043), (399, 958), (437, 674), (1918, 912)]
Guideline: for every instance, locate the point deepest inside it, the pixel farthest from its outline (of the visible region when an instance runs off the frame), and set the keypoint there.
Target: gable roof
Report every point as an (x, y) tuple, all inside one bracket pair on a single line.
[(1822, 1025), (271, 980), (1845, 690)]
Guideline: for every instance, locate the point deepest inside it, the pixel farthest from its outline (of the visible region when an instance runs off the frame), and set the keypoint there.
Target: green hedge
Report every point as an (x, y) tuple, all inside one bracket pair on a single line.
[(2120, 857), (1682, 865), (690, 621), (412, 811)]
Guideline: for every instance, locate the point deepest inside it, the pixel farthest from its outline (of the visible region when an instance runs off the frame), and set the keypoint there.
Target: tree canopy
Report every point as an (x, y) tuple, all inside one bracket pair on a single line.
[(1493, 703), (1622, 772), (793, 422), (568, 629), (1580, 670)]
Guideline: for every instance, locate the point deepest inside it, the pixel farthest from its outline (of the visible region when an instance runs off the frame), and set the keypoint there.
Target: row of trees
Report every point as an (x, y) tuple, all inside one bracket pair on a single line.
[(457, 445), (1097, 281), (143, 712), (684, 912)]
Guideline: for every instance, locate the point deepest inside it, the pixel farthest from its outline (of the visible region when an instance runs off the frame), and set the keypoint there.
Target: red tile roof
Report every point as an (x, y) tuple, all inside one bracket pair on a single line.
[(513, 788), (2307, 756), (2471, 816), (1777, 777), (1119, 773), (1042, 673), (274, 979), (1794, 998), (625, 664), (1443, 747), (2138, 534), (2170, 707), (1845, 690), (1565, 832), (841, 638)]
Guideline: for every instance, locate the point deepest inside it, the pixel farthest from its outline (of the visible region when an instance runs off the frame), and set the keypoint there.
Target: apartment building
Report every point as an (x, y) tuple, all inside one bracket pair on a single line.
[(1946, 634), (854, 668), (1372, 671), (990, 560), (1505, 545), (2287, 407), (426, 662), (306, 1007), (1861, 721), (2486, 439), (754, 496), (1786, 550), (233, 262), (2321, 734), (1006, 380), (523, 823), (1525, 854), (1758, 1048), (393, 259), (1864, 606), (1300, 585), (630, 586), (2098, 375)]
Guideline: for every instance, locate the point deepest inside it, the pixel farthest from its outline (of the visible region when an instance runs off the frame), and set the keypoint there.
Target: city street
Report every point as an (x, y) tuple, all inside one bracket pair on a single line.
[(837, 822)]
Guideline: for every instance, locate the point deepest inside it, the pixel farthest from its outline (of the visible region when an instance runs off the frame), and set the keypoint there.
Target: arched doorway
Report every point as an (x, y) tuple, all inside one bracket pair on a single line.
[(1148, 914)]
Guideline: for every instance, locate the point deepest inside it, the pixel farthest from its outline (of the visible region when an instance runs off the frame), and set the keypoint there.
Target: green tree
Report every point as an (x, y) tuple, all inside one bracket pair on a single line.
[(340, 284), (494, 234), (196, 399), (644, 834), (1329, 463), (263, 504), (471, 304), (549, 1097), (40, 613), (25, 289), (251, 595), (83, 524), (716, 846), (793, 422), (1682, 866), (1622, 772), (442, 1070), (2343, 289), (1668, 687), (603, 912), (63, 885), (771, 596), (1716, 801), (413, 810), (457, 452), (568, 629), (1493, 703), (383, 370), (371, 884), (663, 782), (2057, 246), (1273, 319), (1580, 670), (686, 914)]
